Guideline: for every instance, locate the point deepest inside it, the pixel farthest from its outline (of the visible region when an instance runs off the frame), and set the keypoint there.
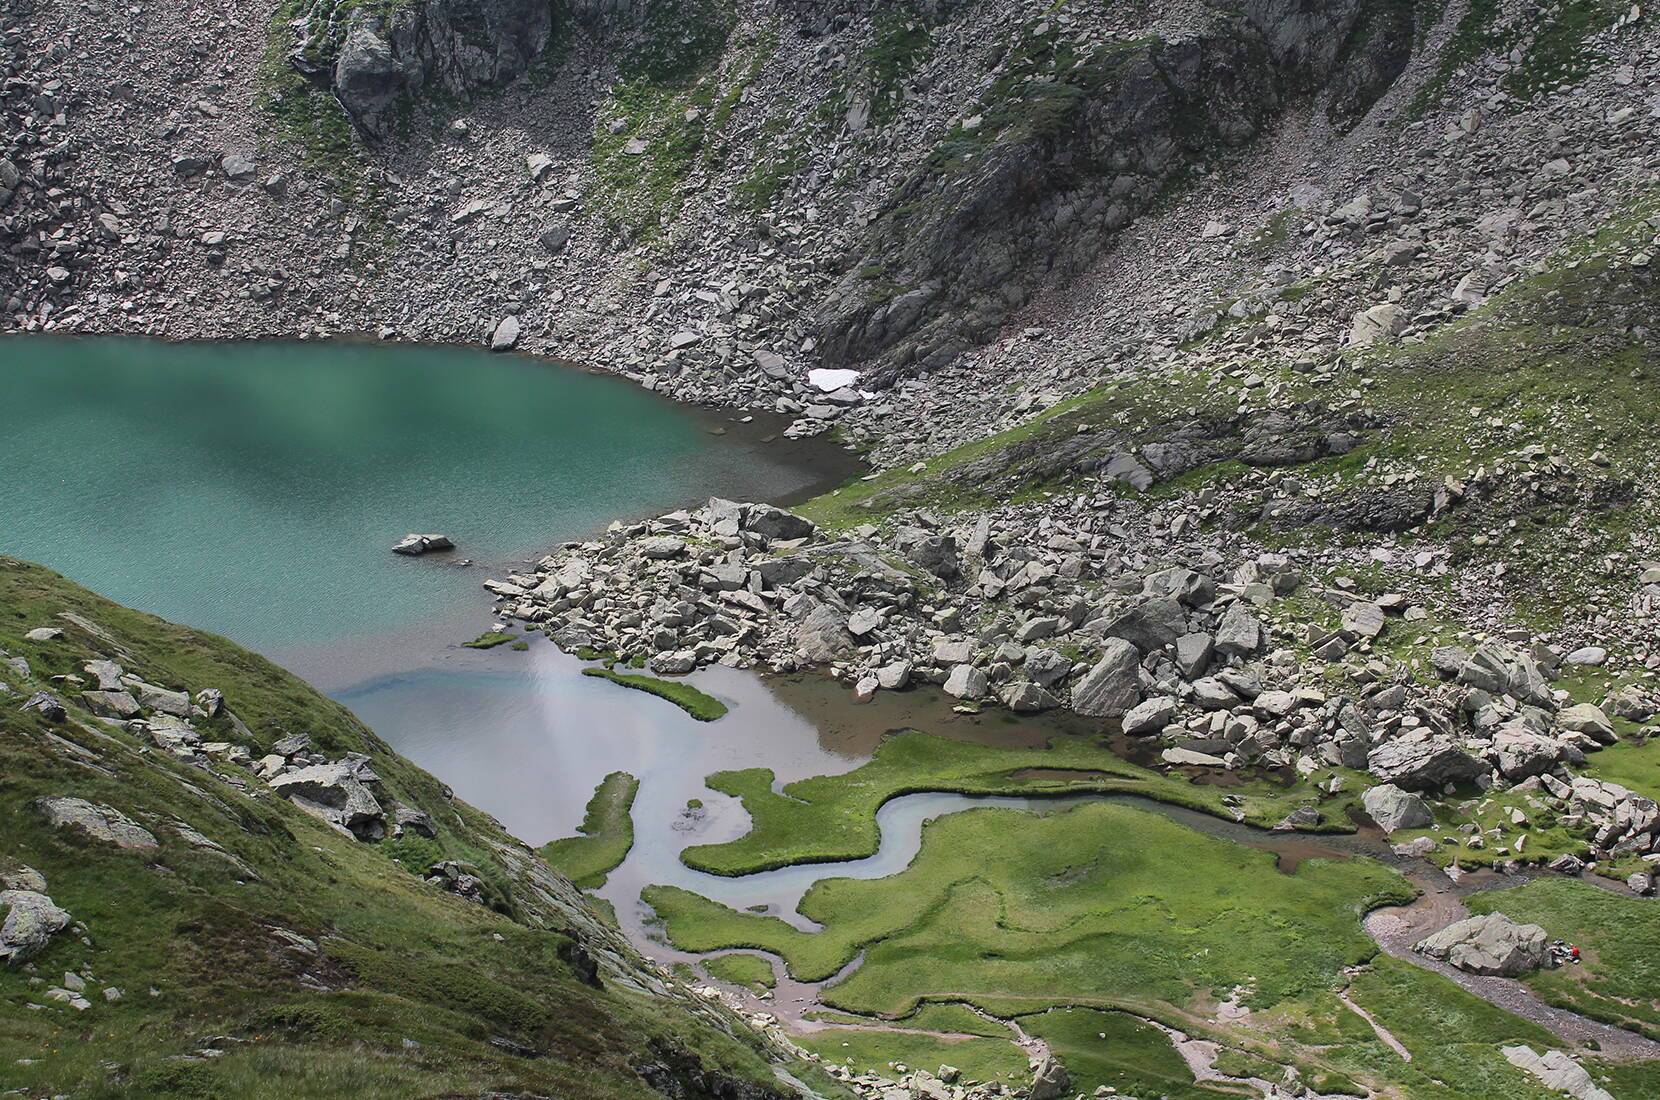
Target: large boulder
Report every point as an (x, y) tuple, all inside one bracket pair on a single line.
[(1394, 809), (938, 554), (30, 920), (1492, 944), (1150, 716), (775, 524), (1151, 624), (1239, 634), (1113, 686), (1519, 753), (822, 635), (336, 792), (1050, 1081), (1421, 765), (1589, 719), (97, 821), (414, 545)]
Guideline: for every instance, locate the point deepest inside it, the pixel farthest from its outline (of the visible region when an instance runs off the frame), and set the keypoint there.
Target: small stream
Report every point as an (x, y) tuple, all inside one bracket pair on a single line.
[(901, 821)]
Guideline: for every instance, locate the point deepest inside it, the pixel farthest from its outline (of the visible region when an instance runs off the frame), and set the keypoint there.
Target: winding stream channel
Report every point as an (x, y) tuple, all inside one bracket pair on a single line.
[(901, 820), (255, 489)]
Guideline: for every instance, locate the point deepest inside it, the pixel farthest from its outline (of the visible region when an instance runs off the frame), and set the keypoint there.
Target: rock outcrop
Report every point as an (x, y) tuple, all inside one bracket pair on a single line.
[(458, 47)]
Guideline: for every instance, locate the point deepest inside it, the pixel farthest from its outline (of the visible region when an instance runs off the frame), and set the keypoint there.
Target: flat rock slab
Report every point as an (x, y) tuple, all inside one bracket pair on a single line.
[(97, 821)]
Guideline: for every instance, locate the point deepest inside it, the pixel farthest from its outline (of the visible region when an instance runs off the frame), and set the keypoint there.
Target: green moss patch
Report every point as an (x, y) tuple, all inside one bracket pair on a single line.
[(607, 834), (489, 640), (1100, 903), (703, 707)]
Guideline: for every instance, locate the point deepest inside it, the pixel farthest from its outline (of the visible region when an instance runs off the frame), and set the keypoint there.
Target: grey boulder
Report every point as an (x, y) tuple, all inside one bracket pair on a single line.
[(1492, 944), (1113, 686), (336, 793), (1420, 765), (1394, 809), (31, 920), (97, 821)]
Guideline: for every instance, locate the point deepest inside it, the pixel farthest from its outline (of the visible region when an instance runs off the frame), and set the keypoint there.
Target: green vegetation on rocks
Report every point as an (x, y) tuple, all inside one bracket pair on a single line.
[(607, 834), (489, 640), (698, 704)]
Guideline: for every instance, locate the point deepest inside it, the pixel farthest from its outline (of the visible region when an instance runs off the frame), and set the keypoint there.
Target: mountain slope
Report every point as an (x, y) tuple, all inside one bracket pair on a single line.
[(256, 950)]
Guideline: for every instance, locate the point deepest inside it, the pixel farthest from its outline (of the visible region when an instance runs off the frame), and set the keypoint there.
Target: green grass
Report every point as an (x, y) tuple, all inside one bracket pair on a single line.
[(489, 640), (749, 971), (833, 817), (953, 1019), (396, 957), (1454, 1036), (1084, 905), (1119, 1051), (877, 1052), (1619, 979), (703, 707), (607, 834)]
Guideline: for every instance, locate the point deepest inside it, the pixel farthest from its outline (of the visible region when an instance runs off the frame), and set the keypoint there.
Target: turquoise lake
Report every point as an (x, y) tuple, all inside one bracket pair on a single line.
[(255, 489)]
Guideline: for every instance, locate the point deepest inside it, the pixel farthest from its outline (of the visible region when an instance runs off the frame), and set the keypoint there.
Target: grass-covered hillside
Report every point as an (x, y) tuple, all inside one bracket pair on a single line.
[(219, 941)]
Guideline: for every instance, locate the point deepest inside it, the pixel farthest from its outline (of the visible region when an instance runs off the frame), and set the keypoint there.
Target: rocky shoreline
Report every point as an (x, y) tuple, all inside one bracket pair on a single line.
[(1213, 660)]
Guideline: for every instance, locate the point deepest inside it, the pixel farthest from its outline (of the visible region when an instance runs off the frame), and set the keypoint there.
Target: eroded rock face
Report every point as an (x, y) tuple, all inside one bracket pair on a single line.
[(1490, 944), (459, 46), (970, 246)]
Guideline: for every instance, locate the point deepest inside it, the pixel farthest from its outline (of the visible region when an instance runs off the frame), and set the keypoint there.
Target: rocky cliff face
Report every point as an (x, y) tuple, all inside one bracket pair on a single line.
[(1054, 166), (458, 47)]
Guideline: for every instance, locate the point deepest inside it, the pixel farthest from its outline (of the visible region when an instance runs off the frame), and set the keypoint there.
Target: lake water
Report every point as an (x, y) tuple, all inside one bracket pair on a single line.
[(255, 490)]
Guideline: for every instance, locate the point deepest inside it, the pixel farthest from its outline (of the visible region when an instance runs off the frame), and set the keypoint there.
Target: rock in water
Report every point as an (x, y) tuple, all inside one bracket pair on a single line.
[(1394, 809), (1490, 944), (416, 545)]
